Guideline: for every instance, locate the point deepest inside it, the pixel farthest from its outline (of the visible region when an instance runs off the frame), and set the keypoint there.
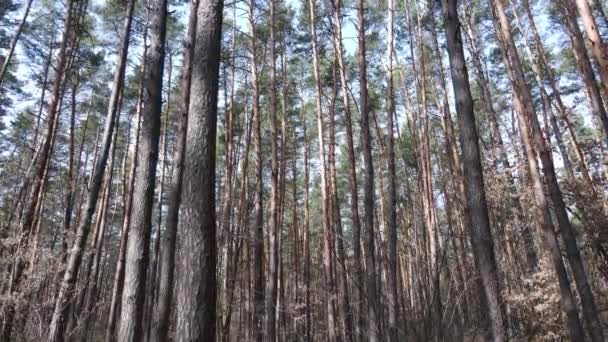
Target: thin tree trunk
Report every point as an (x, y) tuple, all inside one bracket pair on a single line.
[(306, 240), (258, 213), (13, 44), (273, 228), (368, 183), (584, 63), (57, 327), (40, 165), (391, 223), (352, 174), (330, 285)]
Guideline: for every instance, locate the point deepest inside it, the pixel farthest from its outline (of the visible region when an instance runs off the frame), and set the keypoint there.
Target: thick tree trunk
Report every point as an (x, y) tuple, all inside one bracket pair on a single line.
[(473, 175), (131, 327), (162, 310), (515, 206), (198, 254)]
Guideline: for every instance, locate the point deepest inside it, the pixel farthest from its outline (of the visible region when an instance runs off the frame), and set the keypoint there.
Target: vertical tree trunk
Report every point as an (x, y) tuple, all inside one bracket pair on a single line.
[(151, 299), (329, 280), (127, 203), (368, 183), (391, 197), (336, 220), (162, 310), (228, 237), (428, 198), (198, 254), (273, 229), (138, 245), (306, 240), (352, 174), (258, 214)]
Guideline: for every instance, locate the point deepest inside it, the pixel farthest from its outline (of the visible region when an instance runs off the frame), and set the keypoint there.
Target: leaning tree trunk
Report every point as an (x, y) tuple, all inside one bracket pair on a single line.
[(598, 105), (57, 328), (11, 49), (473, 174), (597, 44), (525, 108)]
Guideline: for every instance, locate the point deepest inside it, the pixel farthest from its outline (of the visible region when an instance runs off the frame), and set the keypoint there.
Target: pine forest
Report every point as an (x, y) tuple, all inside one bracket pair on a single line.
[(303, 170)]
